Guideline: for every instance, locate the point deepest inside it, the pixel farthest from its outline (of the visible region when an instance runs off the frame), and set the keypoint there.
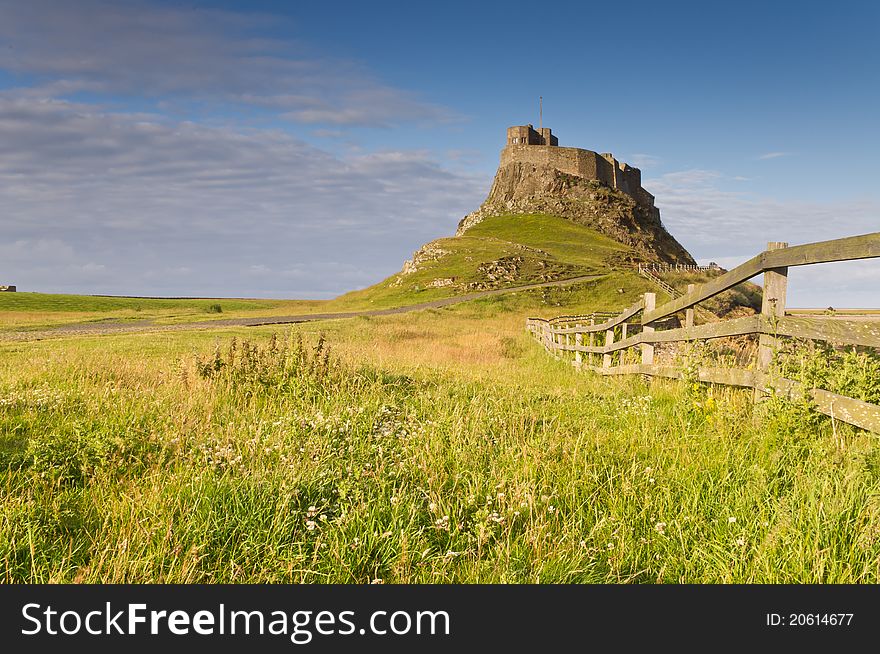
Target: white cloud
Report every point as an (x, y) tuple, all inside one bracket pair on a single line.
[(643, 161), (774, 155), (187, 54), (101, 202)]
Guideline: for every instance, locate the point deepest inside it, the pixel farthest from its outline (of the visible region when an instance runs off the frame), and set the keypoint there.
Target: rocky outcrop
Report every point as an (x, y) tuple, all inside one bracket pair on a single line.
[(523, 188), (426, 253)]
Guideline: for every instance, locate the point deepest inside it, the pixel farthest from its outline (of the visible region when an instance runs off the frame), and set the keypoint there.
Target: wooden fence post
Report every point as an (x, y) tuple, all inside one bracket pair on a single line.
[(647, 348), (622, 357), (592, 341), (609, 340), (772, 307), (689, 314), (578, 341)]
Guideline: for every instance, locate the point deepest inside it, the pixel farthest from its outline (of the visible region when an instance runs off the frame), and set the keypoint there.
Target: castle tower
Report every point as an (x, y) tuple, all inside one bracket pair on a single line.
[(527, 135)]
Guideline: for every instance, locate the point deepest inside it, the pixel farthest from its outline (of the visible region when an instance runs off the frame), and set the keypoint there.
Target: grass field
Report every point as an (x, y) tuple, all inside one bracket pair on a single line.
[(37, 310), (543, 243), (440, 446), (435, 446)]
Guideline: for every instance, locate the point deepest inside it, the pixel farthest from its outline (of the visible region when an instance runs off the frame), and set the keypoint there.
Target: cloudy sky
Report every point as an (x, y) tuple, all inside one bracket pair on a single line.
[(277, 149)]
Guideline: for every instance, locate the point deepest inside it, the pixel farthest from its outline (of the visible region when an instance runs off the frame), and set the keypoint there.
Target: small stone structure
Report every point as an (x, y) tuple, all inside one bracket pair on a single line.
[(526, 135), (528, 146), (7, 289)]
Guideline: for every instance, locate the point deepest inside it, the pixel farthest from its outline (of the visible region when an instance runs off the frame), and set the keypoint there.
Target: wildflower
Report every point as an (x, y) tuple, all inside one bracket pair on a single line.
[(551, 509), (432, 506), (660, 527), (741, 542), (377, 581), (731, 520), (311, 524)]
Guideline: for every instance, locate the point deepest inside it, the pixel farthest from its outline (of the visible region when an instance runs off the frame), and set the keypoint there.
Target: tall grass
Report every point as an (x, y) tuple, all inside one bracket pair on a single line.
[(276, 459)]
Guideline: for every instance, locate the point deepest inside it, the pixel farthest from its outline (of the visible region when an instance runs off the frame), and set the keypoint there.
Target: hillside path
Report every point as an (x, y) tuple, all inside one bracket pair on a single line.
[(102, 328)]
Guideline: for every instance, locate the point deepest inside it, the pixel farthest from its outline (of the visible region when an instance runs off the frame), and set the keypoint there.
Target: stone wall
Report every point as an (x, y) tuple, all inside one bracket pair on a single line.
[(528, 135), (582, 163)]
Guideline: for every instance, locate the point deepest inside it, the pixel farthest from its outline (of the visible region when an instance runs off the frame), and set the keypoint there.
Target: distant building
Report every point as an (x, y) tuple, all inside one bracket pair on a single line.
[(7, 289)]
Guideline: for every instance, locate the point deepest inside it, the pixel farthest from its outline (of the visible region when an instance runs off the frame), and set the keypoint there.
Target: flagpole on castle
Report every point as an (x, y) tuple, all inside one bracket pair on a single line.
[(540, 112)]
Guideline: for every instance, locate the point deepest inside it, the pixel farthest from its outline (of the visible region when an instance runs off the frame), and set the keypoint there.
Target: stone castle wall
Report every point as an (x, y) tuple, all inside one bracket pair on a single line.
[(582, 163)]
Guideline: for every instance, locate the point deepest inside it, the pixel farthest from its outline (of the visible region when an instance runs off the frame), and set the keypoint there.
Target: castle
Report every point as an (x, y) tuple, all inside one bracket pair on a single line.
[(526, 145)]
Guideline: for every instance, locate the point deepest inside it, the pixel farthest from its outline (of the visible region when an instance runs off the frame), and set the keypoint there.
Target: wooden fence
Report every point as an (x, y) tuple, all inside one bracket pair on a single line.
[(608, 348), (675, 267)]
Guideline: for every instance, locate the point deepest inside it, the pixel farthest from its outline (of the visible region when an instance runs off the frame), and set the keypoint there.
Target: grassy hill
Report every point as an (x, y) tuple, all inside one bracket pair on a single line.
[(499, 252)]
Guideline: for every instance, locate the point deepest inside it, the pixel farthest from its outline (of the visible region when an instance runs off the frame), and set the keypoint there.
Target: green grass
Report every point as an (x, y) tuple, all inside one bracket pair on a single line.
[(41, 310), (440, 446), (543, 242), (96, 303), (437, 446)]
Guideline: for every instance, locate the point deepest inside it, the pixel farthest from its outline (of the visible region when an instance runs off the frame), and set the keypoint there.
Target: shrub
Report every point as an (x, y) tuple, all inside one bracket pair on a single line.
[(279, 363)]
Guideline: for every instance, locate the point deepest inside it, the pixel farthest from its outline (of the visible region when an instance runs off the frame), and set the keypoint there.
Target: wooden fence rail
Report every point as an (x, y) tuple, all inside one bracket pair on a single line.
[(615, 336)]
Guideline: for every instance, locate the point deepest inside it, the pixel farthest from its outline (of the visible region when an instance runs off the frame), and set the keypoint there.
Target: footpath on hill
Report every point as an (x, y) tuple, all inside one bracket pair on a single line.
[(102, 328)]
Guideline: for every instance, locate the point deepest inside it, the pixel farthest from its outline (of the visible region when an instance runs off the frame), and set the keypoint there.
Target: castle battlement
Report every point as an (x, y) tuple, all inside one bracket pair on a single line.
[(528, 135), (539, 147)]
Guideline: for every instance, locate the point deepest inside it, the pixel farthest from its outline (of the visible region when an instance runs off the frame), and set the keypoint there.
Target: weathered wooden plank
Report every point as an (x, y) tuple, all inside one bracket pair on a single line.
[(866, 246), (772, 307), (735, 327), (848, 409), (749, 269), (609, 340), (841, 332), (613, 322), (724, 376), (689, 314), (728, 376), (840, 407), (647, 332)]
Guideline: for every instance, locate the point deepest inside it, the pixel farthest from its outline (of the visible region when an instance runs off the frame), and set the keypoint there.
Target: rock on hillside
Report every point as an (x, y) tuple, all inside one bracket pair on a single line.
[(525, 188)]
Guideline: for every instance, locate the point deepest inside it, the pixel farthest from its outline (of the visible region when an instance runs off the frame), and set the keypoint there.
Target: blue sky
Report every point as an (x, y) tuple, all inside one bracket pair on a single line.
[(283, 149)]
